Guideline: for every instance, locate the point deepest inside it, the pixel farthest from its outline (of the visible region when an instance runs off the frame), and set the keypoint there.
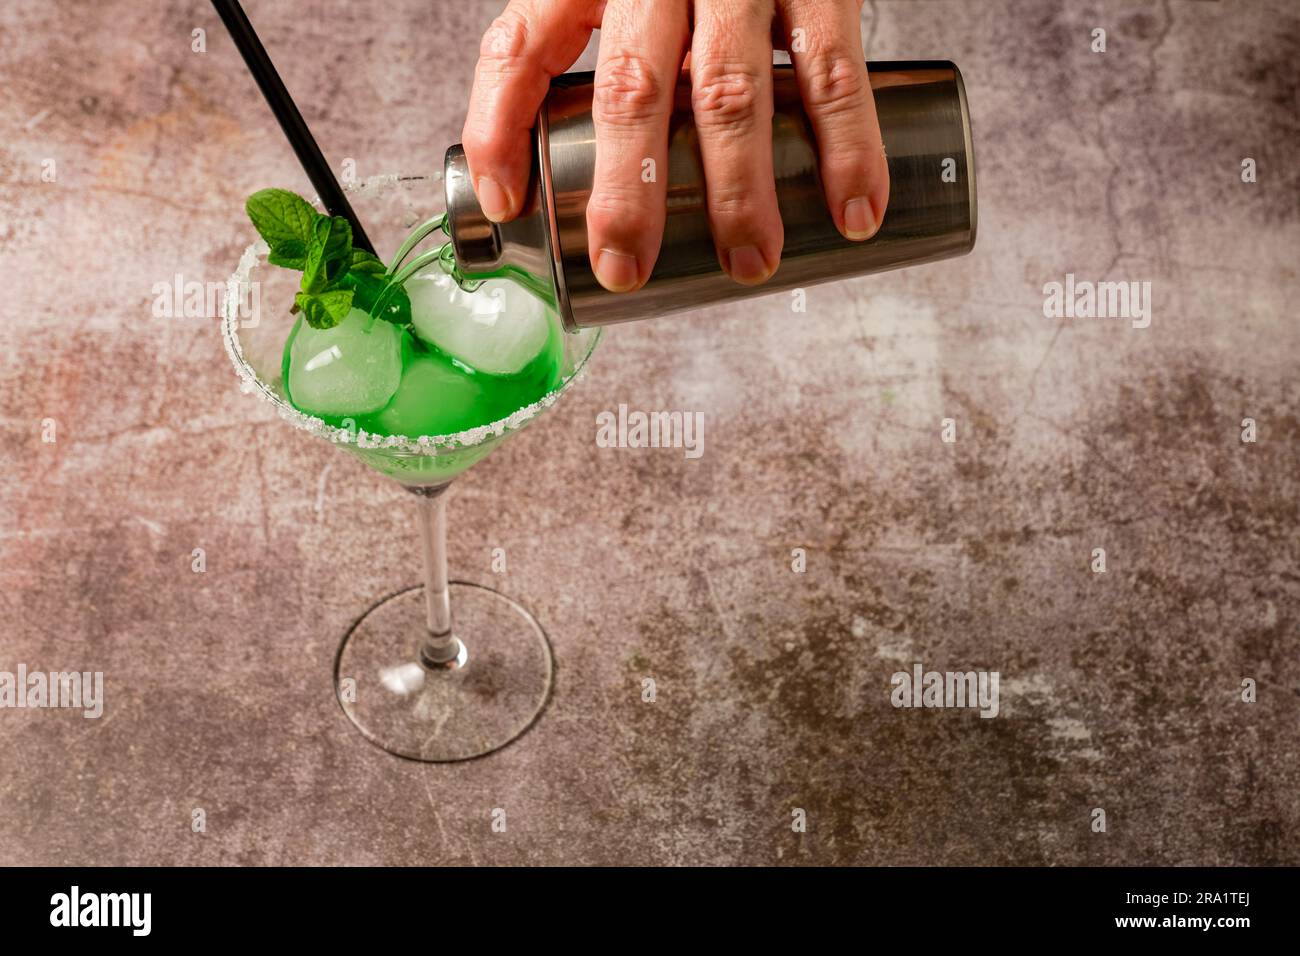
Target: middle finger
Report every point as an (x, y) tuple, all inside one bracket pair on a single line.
[(731, 96)]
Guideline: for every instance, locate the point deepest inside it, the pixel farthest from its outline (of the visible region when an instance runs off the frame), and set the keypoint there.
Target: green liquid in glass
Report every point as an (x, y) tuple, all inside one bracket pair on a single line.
[(438, 393)]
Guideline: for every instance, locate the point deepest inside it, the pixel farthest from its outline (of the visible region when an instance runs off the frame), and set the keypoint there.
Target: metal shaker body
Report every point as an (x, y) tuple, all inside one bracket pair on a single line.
[(925, 124)]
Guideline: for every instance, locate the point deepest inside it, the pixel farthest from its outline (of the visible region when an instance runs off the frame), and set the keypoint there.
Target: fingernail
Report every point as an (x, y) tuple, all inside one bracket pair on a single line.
[(859, 221), (615, 271), (746, 265), (493, 199)]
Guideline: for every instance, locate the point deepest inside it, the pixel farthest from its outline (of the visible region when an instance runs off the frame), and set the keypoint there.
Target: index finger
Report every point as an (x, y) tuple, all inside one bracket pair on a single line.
[(531, 43)]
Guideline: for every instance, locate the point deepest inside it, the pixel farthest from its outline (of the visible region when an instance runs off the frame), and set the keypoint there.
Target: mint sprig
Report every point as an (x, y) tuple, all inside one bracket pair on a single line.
[(335, 277)]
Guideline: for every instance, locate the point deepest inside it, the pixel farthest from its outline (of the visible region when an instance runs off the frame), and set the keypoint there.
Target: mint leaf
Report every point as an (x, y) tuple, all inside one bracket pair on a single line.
[(367, 288), (337, 304), (312, 311), (326, 310), (367, 263), (338, 243), (314, 279), (289, 253), (278, 214), (378, 297), (329, 253)]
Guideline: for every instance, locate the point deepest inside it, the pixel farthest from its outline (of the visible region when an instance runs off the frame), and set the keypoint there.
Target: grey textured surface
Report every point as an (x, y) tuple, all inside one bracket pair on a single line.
[(1119, 690)]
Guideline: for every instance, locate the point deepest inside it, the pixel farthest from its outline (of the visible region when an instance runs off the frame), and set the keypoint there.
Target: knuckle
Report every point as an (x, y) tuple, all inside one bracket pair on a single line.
[(483, 145), (505, 39), (628, 90), (836, 81), (739, 211), (725, 94), (618, 210), (745, 11)]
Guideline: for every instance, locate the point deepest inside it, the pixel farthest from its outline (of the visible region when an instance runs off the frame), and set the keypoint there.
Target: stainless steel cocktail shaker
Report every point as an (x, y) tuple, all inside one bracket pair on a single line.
[(925, 124)]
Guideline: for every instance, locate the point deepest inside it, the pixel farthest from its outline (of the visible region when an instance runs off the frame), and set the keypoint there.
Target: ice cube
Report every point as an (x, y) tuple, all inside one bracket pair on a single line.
[(497, 329), (351, 369)]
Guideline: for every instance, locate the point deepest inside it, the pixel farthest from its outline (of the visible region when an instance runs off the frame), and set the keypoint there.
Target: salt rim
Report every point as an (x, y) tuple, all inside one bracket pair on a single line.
[(422, 445)]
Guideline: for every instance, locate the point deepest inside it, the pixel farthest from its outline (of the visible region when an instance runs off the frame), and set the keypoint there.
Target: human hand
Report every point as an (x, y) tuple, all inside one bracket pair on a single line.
[(727, 47)]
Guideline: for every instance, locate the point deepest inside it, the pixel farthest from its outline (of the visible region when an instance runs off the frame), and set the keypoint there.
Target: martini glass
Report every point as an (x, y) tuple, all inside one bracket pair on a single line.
[(442, 670)]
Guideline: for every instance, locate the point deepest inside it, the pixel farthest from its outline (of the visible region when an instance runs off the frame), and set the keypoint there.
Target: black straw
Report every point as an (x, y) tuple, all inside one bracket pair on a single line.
[(291, 121)]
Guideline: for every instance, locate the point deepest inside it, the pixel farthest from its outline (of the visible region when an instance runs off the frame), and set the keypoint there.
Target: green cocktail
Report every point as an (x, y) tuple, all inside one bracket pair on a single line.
[(406, 350), (420, 373), (467, 359)]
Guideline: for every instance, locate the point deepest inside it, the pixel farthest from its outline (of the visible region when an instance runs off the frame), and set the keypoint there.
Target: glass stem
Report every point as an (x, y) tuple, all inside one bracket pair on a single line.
[(440, 645)]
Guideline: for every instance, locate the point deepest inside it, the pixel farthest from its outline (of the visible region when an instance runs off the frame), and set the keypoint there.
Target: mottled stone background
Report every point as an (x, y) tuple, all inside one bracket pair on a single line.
[(1120, 690)]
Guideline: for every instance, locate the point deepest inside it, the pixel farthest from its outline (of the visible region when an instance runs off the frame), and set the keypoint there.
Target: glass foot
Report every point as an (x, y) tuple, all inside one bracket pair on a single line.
[(479, 701)]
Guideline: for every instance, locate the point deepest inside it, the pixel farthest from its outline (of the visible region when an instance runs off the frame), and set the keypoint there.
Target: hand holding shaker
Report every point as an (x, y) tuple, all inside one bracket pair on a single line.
[(925, 124)]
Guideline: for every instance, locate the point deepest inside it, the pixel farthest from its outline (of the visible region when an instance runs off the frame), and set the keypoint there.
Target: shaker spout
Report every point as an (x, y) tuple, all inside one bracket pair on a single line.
[(520, 249)]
